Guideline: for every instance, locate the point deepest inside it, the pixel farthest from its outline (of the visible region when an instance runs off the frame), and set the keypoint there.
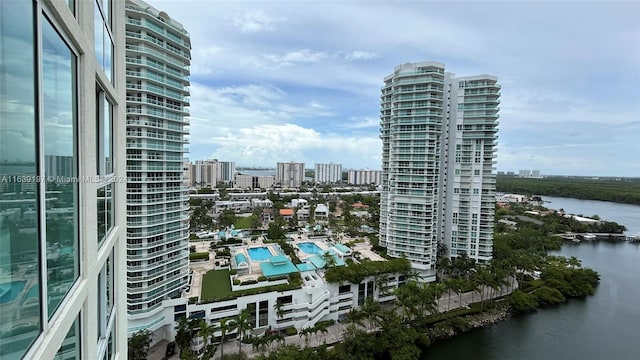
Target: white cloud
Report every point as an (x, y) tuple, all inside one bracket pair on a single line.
[(255, 21), (361, 55), (312, 65), (297, 56), (269, 143), (361, 123)]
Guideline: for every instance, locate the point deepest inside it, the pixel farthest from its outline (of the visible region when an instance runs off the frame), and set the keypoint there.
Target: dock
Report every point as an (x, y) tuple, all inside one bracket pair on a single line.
[(577, 237), (633, 238)]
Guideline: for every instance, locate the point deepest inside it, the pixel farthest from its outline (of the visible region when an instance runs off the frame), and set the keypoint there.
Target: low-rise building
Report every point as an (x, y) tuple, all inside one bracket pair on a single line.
[(275, 293)]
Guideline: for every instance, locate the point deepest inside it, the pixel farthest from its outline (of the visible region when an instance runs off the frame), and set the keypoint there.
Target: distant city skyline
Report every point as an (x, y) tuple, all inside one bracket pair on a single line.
[(302, 84)]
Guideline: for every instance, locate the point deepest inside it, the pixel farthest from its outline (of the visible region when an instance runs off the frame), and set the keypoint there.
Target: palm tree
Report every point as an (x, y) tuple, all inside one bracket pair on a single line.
[(329, 260), (451, 284), (322, 328), (574, 262), (371, 310), (243, 325), (380, 282), (183, 336), (305, 332), (406, 298), (354, 316), (206, 331), (278, 307), (225, 326), (437, 291)]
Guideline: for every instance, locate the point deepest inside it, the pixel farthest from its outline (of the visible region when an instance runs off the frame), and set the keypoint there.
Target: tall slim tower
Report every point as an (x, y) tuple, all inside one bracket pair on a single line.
[(468, 171), (62, 194), (157, 60), (438, 185)]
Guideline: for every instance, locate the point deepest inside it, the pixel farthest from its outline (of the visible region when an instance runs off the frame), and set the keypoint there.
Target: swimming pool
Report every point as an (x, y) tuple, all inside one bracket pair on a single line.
[(310, 248), (259, 253), (9, 291)]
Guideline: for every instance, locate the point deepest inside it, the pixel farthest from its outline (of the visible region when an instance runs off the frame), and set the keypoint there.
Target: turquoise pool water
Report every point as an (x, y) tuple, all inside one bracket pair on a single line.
[(33, 292), (9, 291), (309, 248), (259, 253)]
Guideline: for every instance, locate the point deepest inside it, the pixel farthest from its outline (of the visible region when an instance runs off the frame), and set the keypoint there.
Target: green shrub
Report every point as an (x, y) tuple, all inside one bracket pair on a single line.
[(290, 331), (545, 295), (193, 300), (357, 272), (236, 282), (199, 256), (233, 271), (249, 282), (522, 302), (262, 278)]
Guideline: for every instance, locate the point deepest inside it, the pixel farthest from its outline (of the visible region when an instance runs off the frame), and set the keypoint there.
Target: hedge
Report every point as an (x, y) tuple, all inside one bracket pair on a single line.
[(355, 273), (199, 256)]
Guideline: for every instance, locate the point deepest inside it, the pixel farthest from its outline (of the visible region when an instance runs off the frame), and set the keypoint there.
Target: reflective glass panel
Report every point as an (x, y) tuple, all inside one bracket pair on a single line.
[(70, 348), (59, 126), (19, 268), (105, 211)]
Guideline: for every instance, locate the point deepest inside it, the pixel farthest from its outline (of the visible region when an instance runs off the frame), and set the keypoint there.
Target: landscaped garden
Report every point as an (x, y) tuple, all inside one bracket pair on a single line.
[(215, 284)]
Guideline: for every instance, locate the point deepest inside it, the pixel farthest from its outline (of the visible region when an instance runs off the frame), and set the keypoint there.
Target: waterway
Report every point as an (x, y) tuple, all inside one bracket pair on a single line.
[(603, 326)]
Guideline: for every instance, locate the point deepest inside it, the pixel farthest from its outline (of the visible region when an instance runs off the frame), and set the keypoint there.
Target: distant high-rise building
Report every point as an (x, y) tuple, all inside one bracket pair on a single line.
[(62, 232), (524, 173), (208, 173), (158, 52), (328, 173), (290, 174), (438, 185), (254, 181), (364, 177)]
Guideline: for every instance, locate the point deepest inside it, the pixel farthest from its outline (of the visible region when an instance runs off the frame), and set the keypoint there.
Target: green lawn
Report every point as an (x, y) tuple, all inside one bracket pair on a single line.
[(215, 283), (244, 222)]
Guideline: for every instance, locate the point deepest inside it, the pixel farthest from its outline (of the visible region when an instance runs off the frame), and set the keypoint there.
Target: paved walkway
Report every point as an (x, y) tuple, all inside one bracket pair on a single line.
[(335, 332)]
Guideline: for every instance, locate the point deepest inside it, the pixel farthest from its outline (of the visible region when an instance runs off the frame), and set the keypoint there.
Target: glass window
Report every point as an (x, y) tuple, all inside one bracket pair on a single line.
[(70, 348), (104, 211), (104, 130), (103, 41), (19, 267), (61, 187)]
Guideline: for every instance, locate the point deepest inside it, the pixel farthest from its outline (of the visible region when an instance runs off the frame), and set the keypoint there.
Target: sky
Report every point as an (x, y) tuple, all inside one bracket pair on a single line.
[(300, 80)]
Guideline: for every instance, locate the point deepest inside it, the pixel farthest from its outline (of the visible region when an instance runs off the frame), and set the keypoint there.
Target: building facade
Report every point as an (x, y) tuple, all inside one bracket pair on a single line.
[(468, 153), (328, 173), (62, 213), (290, 174), (364, 177), (438, 184), (157, 61), (208, 173), (254, 182)]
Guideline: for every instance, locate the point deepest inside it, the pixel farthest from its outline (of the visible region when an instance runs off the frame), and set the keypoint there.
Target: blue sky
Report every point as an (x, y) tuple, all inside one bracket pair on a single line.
[(300, 80)]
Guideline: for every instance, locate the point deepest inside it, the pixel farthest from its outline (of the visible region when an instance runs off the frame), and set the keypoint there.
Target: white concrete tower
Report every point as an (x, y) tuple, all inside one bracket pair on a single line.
[(438, 183), (158, 52), (411, 125)]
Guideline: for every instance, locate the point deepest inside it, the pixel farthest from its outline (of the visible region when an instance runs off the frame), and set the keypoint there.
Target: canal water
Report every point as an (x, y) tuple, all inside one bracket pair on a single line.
[(603, 326)]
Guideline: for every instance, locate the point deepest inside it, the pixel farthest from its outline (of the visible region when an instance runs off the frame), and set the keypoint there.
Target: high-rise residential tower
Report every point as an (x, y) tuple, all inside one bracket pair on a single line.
[(62, 180), (290, 174), (438, 185), (328, 173), (157, 61), (208, 173)]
